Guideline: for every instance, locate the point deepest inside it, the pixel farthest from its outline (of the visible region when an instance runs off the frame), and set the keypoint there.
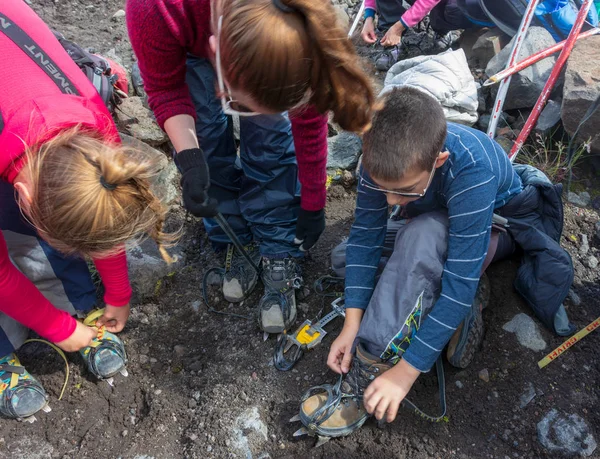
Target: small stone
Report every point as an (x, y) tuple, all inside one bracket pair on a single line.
[(254, 376), (193, 437), (179, 350), (484, 375), (196, 306), (118, 15), (527, 332), (281, 445), (124, 433), (192, 403), (598, 229), (592, 262), (527, 396), (157, 392), (209, 449), (459, 384), (303, 307), (153, 360), (143, 359), (306, 378), (566, 434)]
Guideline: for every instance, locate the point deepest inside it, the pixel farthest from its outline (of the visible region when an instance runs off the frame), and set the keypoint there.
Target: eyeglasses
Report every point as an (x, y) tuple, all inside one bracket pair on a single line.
[(374, 187), (227, 101)]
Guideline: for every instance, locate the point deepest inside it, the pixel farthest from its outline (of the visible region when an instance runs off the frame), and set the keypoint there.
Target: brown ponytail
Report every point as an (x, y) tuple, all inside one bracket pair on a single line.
[(278, 57), (89, 197)]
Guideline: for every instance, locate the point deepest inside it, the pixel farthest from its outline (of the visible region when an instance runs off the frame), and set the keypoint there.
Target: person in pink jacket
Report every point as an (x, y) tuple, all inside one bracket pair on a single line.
[(394, 19)]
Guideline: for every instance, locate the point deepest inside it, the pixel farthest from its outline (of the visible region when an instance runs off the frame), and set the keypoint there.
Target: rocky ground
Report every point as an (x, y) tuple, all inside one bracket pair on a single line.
[(203, 385)]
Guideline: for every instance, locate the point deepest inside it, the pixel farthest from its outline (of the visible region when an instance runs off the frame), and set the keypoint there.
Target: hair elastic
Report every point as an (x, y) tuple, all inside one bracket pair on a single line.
[(105, 184), (283, 7)]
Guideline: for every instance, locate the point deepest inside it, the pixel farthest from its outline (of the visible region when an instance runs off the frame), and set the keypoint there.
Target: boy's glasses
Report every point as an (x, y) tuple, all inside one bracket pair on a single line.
[(227, 101), (374, 187)]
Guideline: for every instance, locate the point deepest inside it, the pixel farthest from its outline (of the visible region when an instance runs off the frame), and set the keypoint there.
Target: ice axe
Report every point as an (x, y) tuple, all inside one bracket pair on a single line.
[(235, 240)]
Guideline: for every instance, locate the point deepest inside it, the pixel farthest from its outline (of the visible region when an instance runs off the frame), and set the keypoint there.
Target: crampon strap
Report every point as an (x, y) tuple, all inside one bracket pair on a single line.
[(61, 353)]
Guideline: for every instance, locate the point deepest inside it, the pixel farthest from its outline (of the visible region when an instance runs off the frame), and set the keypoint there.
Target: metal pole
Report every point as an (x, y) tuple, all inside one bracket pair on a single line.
[(560, 62), (235, 240), (512, 60), (533, 59), (361, 10)]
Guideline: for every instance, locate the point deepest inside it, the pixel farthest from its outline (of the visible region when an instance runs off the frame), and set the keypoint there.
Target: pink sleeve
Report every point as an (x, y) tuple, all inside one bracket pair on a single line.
[(370, 4), (309, 128), (22, 301), (114, 275), (418, 11)]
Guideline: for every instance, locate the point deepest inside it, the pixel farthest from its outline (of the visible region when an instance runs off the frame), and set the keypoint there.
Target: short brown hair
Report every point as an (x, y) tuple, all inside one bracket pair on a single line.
[(89, 197), (278, 57), (407, 134)]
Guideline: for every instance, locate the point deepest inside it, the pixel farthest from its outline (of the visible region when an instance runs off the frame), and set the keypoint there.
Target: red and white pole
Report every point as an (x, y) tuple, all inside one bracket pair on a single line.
[(512, 60), (560, 62)]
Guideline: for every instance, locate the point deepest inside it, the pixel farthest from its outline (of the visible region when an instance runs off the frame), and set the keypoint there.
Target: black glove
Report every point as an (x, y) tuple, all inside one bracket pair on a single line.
[(195, 181), (309, 228)]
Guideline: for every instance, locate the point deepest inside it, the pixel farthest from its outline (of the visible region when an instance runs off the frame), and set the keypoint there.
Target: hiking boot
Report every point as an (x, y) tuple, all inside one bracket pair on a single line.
[(240, 277), (106, 356), (337, 411), (21, 395), (387, 58), (444, 42), (469, 335), (277, 307)]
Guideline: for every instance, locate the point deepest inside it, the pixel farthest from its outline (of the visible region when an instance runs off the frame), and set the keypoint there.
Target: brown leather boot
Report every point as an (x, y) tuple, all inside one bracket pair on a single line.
[(336, 411)]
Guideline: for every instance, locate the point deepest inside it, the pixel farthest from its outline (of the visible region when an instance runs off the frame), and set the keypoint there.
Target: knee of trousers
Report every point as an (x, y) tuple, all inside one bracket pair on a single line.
[(424, 237)]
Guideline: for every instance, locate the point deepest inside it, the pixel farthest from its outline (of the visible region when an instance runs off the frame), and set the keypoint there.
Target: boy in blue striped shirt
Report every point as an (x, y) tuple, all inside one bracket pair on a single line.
[(448, 180)]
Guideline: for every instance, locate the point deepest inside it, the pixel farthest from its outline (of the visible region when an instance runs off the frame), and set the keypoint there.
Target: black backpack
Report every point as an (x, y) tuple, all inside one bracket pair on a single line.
[(96, 69)]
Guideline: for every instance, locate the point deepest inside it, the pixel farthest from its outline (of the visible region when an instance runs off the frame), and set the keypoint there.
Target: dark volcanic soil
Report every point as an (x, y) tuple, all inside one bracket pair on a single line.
[(203, 385)]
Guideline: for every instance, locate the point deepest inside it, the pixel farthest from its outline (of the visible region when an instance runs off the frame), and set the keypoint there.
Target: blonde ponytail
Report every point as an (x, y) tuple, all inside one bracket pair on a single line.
[(89, 197)]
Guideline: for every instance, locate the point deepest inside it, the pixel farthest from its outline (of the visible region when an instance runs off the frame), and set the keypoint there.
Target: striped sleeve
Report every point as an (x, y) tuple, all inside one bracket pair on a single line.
[(365, 245), (470, 219)]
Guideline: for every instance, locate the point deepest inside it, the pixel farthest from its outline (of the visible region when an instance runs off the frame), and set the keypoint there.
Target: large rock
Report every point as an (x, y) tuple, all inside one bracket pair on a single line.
[(344, 151), (581, 88), (138, 120), (566, 435), (527, 332), (525, 86), (488, 45)]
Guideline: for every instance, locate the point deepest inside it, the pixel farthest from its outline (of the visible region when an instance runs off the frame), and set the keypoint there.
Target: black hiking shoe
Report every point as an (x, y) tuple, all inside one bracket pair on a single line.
[(387, 58), (337, 411), (469, 335), (444, 42), (277, 308), (240, 278)]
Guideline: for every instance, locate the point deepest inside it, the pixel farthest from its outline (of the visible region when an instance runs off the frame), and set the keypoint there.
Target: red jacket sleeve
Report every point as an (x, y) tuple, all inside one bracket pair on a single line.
[(161, 58), (309, 128), (114, 275), (22, 301)]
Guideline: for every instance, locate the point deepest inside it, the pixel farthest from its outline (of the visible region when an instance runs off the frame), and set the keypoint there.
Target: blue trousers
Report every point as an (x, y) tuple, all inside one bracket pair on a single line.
[(65, 281), (258, 191)]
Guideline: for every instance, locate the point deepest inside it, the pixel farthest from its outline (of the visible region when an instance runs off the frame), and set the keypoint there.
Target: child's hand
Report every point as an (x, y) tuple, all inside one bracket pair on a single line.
[(340, 354), (386, 392), (368, 31), (394, 34), (114, 318), (80, 338)]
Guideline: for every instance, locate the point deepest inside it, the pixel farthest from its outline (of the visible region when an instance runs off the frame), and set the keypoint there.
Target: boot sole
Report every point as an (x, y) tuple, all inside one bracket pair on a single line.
[(332, 432)]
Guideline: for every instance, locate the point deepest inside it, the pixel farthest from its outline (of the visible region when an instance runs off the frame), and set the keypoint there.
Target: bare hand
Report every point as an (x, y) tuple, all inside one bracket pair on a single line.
[(368, 31), (340, 354), (114, 318), (386, 392), (393, 36), (80, 338)]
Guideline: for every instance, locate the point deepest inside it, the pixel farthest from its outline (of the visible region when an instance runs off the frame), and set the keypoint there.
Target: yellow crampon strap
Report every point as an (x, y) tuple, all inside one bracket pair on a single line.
[(90, 321), (14, 377), (60, 352), (568, 343)]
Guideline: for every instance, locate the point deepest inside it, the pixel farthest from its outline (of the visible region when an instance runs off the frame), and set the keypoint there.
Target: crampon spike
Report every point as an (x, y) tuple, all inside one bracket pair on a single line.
[(46, 408), (265, 336), (111, 382), (30, 419), (124, 372), (321, 441), (295, 418), (301, 431)]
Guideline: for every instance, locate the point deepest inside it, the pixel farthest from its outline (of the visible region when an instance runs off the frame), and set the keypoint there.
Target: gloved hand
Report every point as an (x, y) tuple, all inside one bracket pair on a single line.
[(309, 228), (195, 181)]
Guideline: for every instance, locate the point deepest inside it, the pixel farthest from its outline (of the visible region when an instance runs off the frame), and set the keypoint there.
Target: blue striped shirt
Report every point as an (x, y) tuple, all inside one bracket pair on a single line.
[(476, 179)]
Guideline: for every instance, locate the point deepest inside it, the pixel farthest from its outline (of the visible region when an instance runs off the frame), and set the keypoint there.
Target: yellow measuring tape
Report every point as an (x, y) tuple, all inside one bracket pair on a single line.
[(564, 347)]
